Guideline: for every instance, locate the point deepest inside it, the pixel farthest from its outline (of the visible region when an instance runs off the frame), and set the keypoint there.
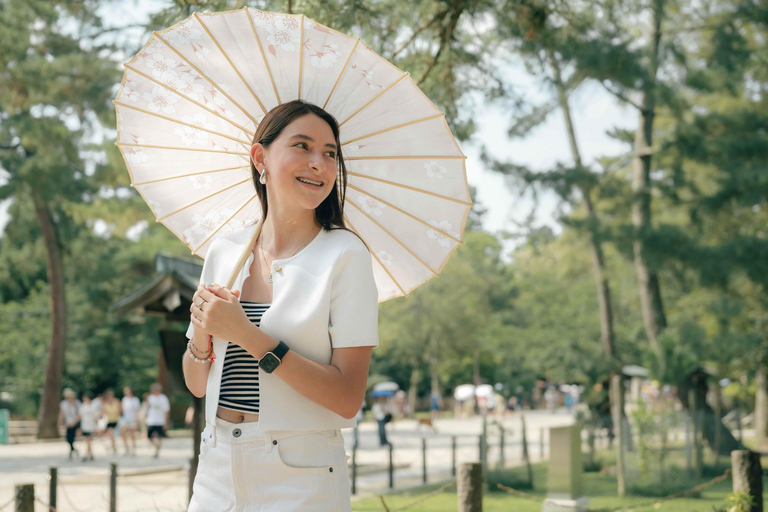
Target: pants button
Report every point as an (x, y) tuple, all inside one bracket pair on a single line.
[(237, 432)]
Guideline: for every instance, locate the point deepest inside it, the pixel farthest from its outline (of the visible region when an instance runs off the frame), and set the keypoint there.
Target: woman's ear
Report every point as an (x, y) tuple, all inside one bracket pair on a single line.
[(257, 156)]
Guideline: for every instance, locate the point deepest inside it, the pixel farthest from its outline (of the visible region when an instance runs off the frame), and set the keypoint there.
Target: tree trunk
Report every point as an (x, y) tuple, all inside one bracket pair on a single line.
[(761, 404), (54, 370), (651, 305), (607, 335), (617, 412), (413, 390), (726, 442)]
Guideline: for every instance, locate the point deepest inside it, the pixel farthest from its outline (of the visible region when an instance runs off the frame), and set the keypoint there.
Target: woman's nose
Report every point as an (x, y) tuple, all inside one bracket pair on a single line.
[(316, 161)]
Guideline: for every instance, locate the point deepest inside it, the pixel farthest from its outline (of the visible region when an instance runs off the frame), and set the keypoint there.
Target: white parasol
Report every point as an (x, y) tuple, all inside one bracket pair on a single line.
[(190, 102), (464, 392)]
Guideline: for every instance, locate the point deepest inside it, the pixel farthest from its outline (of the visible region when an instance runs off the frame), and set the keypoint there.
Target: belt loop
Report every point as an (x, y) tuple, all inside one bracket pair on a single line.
[(270, 441)]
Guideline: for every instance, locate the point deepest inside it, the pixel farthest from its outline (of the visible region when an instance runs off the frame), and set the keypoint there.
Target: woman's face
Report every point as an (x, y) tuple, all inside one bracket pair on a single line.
[(300, 163)]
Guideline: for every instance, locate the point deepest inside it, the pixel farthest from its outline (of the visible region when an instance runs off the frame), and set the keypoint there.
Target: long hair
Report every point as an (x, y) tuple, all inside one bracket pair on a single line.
[(330, 213)]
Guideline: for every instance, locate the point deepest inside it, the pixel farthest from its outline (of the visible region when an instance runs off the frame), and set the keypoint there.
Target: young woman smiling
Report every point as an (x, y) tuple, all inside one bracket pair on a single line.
[(282, 357)]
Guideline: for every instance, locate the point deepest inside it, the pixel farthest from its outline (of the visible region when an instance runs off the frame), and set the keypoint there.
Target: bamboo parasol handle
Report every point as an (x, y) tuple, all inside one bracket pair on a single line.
[(244, 256)]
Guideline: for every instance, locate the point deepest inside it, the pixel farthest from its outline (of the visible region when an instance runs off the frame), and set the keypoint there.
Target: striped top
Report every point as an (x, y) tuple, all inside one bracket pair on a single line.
[(240, 375)]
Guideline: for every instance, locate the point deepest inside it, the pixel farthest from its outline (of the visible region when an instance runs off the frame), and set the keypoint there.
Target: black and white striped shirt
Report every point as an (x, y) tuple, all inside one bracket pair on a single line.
[(240, 375)]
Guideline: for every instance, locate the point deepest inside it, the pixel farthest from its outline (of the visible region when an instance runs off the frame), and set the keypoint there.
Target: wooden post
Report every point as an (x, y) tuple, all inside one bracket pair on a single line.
[(113, 487), (198, 422), (354, 468), (470, 487), (25, 498), (747, 476), (526, 458), (501, 446), (391, 468), (541, 444), (424, 460), (52, 484), (453, 455)]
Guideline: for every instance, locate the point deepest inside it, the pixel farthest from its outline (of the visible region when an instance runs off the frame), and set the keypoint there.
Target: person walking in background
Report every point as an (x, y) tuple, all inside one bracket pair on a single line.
[(89, 416), (158, 416), (129, 422), (111, 408), (383, 416), (69, 416), (435, 404)]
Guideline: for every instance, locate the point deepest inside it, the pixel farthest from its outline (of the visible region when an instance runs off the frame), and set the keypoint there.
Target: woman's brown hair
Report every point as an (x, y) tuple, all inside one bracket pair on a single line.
[(330, 213)]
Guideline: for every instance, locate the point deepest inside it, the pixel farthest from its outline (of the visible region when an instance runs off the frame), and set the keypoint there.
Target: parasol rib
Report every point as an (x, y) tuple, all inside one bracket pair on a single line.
[(203, 75), (301, 53), (408, 187), (202, 199), (378, 260), (232, 65), (176, 121), (374, 98), (393, 237), (224, 223), (263, 56), (181, 149), (406, 157), (430, 226), (186, 175), (161, 84), (385, 130), (349, 57)]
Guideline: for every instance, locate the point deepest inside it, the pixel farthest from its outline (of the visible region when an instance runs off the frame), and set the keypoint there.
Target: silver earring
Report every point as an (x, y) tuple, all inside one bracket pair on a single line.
[(263, 179)]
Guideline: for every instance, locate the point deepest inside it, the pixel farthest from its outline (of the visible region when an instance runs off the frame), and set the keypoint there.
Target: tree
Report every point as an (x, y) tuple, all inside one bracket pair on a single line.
[(54, 93)]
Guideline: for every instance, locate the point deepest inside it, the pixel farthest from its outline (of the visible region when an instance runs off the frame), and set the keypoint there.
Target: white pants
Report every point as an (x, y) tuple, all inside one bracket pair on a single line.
[(252, 470)]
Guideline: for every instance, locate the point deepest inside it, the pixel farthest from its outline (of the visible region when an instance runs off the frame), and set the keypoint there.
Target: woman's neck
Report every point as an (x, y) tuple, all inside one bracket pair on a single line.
[(286, 233)]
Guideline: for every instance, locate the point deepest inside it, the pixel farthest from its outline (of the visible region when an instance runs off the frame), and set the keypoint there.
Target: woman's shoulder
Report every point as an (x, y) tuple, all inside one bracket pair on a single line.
[(345, 240)]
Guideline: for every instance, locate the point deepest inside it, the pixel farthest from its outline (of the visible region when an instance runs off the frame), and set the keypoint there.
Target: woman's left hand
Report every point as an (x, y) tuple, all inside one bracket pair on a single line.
[(221, 314)]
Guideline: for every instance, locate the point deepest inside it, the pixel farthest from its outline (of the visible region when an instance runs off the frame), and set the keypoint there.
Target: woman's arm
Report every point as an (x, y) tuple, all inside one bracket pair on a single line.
[(339, 386), (196, 374)]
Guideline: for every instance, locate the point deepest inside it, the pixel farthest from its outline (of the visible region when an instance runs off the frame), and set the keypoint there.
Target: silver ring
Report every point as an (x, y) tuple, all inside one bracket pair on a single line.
[(200, 305)]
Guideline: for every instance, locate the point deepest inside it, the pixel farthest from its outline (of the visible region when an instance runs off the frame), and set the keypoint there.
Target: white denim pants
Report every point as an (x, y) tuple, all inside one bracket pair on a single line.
[(244, 469)]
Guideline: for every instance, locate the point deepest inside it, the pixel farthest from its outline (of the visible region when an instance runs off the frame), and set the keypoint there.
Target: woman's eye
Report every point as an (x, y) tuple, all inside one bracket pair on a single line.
[(331, 154), (303, 145)]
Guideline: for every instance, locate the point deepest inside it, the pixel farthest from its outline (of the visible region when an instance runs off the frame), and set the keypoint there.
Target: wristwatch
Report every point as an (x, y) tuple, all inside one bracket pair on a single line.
[(273, 358)]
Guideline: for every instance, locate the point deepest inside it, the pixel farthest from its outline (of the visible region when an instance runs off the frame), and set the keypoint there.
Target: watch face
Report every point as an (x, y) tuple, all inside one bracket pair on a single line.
[(269, 362)]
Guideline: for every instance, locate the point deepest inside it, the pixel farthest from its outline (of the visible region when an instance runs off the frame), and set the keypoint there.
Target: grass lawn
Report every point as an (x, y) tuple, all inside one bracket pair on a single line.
[(599, 487)]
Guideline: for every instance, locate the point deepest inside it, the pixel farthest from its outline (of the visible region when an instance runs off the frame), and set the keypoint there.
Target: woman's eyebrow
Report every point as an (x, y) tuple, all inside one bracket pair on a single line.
[(310, 139)]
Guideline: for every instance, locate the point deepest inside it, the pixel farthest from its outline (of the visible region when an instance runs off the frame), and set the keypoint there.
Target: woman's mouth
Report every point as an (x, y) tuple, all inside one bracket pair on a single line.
[(311, 182)]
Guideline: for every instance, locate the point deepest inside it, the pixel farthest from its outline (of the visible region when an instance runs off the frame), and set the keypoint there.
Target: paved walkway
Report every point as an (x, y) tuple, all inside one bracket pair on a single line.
[(84, 486)]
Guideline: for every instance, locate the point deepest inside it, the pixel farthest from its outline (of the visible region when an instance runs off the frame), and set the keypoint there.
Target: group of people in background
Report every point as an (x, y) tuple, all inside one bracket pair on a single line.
[(105, 415)]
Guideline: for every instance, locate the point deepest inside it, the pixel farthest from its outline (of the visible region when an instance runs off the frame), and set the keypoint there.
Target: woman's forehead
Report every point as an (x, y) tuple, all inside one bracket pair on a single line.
[(311, 126)]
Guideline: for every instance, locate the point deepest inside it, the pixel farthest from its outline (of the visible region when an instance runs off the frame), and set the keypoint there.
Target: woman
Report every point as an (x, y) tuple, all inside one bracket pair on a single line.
[(89, 415), (129, 420), (112, 409), (283, 356), (69, 416)]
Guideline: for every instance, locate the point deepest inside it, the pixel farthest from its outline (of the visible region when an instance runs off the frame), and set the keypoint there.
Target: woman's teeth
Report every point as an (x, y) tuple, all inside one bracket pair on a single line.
[(310, 182)]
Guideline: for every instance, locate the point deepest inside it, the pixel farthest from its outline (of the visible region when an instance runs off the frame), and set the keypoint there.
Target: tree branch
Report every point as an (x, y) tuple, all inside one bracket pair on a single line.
[(621, 96), (417, 32), (447, 35)]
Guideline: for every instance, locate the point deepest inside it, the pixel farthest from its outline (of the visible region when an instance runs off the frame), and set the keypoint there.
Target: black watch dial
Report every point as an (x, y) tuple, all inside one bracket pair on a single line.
[(269, 362)]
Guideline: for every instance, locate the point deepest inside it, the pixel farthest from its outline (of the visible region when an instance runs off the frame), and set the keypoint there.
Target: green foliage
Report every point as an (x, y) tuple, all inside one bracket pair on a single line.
[(738, 502)]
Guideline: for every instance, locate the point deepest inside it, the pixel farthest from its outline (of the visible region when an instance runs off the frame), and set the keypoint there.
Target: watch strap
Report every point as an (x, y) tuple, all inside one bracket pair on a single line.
[(280, 350)]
